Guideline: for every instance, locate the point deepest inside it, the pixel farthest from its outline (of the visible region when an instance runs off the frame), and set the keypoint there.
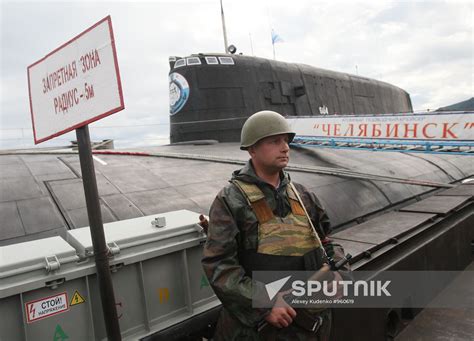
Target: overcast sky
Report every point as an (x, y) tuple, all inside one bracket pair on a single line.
[(424, 47)]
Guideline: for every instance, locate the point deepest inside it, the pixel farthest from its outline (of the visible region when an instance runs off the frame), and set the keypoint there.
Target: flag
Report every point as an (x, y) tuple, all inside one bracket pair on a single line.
[(276, 38)]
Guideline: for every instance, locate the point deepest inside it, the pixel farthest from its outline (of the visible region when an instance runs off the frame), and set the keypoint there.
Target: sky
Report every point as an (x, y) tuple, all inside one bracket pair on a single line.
[(424, 47)]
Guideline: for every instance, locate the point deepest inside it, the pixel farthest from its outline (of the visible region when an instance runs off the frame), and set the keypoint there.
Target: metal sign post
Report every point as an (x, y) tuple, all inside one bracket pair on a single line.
[(74, 85), (97, 233)]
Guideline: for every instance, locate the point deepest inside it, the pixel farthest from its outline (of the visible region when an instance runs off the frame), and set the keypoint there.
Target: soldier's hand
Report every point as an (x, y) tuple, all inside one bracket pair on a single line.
[(204, 223), (282, 314)]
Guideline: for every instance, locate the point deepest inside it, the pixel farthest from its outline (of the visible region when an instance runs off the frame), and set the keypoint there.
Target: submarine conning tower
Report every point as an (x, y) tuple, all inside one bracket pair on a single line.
[(211, 95)]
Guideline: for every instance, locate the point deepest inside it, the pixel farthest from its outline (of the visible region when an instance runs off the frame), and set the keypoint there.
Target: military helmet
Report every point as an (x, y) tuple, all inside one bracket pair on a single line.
[(262, 124)]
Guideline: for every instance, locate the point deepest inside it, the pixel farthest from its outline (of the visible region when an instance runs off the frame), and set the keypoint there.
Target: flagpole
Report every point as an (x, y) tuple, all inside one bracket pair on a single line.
[(273, 43), (251, 44), (223, 29)]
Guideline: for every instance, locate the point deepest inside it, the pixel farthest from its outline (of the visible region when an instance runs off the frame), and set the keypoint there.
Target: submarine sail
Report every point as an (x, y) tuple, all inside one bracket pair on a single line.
[(211, 95)]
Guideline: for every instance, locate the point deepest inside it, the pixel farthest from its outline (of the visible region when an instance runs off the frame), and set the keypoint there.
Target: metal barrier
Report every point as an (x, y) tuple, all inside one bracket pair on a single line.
[(49, 290)]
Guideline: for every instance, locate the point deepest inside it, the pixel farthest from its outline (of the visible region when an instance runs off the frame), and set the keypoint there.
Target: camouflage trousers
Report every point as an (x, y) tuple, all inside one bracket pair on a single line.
[(229, 329)]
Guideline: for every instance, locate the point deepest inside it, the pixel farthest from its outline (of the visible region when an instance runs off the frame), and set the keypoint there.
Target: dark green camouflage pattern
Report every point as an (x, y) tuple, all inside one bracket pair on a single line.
[(233, 228)]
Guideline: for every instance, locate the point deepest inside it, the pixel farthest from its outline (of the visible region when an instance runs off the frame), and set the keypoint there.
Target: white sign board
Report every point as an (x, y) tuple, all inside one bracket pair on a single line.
[(46, 307), (427, 126), (76, 84)]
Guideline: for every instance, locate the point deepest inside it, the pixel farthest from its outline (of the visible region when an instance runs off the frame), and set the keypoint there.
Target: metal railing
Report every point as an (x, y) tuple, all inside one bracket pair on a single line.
[(412, 146)]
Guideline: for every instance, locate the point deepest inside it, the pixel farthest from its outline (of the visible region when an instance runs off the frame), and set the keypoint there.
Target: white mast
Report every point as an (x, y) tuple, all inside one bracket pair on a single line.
[(223, 29), (251, 44)]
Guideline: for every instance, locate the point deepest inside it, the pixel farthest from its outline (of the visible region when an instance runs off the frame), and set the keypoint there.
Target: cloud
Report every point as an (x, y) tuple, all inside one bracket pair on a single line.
[(424, 47)]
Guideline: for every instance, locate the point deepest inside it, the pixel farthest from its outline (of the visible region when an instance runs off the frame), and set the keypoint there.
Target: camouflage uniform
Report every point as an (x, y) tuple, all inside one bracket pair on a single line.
[(234, 238)]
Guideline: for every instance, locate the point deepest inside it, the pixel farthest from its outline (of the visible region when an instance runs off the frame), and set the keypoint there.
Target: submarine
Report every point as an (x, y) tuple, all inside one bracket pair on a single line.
[(211, 95), (391, 209)]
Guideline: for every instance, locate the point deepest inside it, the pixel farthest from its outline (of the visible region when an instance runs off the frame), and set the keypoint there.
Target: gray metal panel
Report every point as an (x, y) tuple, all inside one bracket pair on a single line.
[(10, 159), (226, 150), (39, 214), (218, 98), (446, 323), (316, 180), (312, 99), (41, 179), (11, 326), (70, 159), (128, 293), (384, 227), (219, 77), (357, 197), (203, 194), (132, 180), (161, 275), (121, 206), (139, 231), (73, 163), (330, 94), (437, 204), (396, 192), (75, 322), (344, 96), (70, 192), (33, 253), (14, 170), (458, 166), (105, 186), (79, 217), (152, 163), (28, 159), (206, 171), (169, 290), (61, 232), (51, 166), (352, 247), (11, 225), (381, 163), (462, 190), (124, 161), (162, 200), (192, 184), (19, 188)]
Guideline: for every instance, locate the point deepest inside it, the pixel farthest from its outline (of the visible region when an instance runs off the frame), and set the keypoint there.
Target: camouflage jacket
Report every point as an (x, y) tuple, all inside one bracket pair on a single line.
[(233, 228)]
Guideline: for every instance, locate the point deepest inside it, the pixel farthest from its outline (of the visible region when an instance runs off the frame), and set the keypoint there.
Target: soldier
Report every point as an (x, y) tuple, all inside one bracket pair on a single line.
[(259, 222)]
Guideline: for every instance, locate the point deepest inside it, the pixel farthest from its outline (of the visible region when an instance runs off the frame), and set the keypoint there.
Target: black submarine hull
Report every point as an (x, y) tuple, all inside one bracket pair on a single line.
[(211, 95)]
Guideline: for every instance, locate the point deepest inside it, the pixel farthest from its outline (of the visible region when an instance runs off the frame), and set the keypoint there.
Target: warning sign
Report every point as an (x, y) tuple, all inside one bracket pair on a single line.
[(76, 84), (76, 299), (45, 307)]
